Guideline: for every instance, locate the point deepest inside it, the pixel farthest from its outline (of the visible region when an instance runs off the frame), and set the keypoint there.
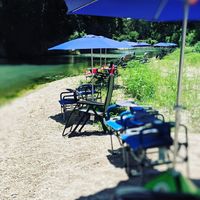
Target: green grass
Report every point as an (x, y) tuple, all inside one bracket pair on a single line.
[(140, 81), (155, 83), (14, 80)]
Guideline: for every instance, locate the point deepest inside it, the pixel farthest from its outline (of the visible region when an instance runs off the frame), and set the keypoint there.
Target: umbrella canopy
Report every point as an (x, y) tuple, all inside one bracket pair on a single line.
[(152, 10), (165, 44), (131, 44), (143, 44), (136, 44), (90, 42)]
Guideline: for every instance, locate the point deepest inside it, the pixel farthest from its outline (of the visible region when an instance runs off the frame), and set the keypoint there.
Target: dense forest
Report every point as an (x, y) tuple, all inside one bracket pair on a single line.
[(29, 27)]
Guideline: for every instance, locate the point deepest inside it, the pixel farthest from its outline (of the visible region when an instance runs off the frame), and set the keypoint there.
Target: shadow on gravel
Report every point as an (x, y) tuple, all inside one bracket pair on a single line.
[(108, 193), (116, 158), (86, 134), (62, 118), (58, 118)]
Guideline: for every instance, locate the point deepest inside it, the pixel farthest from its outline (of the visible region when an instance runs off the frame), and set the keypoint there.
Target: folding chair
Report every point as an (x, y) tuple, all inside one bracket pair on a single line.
[(138, 143), (69, 98), (135, 117), (88, 107)]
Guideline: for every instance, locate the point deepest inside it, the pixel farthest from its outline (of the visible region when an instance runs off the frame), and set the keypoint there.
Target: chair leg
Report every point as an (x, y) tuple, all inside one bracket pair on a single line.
[(84, 123), (63, 133), (111, 141), (67, 121), (77, 125), (81, 119), (103, 125), (66, 125)]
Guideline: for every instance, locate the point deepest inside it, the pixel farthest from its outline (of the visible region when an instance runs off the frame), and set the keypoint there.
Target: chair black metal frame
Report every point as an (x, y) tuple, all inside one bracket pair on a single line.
[(70, 97), (68, 100), (87, 108), (138, 160), (145, 116)]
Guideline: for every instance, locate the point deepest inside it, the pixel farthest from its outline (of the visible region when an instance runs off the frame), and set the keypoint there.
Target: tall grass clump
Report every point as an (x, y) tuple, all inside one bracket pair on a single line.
[(140, 81), (149, 84), (197, 47)]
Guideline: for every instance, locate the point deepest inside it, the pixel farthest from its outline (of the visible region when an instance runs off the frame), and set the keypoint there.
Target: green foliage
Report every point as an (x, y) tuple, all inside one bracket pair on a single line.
[(197, 47), (133, 35), (151, 41), (76, 34), (121, 37), (140, 80), (163, 89), (54, 26), (191, 38), (166, 91), (175, 37), (149, 85)]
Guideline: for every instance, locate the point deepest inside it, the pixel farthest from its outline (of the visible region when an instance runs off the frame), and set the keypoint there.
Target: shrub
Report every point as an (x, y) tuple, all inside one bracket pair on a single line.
[(76, 35), (191, 38), (197, 47)]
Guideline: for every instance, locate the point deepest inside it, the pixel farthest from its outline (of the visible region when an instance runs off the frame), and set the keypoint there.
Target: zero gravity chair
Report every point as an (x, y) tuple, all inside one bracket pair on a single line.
[(70, 97), (86, 108), (152, 145), (136, 116)]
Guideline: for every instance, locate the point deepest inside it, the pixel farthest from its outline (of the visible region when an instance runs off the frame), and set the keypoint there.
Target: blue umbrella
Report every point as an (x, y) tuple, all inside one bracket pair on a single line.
[(90, 42), (165, 44), (136, 44), (131, 44), (151, 10), (143, 44)]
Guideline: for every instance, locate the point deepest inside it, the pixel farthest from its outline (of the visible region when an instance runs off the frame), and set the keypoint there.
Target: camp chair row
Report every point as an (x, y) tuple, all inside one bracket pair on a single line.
[(101, 75), (141, 130)]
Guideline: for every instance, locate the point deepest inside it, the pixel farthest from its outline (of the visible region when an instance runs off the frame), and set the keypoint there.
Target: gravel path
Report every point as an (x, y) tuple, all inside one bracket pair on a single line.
[(36, 162)]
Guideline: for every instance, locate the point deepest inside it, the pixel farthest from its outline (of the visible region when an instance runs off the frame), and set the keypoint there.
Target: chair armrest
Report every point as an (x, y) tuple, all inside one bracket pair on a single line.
[(109, 109), (68, 93), (124, 113), (91, 103)]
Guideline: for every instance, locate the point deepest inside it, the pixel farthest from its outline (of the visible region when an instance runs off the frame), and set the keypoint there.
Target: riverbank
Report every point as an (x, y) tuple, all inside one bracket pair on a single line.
[(18, 78), (36, 162)]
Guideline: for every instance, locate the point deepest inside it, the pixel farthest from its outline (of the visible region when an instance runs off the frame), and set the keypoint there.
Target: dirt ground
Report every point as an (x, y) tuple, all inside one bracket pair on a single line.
[(36, 162)]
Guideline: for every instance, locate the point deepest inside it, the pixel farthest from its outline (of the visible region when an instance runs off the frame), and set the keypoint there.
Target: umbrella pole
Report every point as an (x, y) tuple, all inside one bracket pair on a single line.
[(105, 55), (100, 57), (179, 84), (92, 65)]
